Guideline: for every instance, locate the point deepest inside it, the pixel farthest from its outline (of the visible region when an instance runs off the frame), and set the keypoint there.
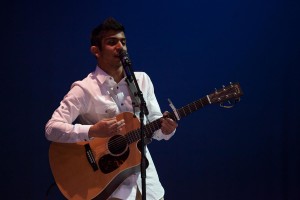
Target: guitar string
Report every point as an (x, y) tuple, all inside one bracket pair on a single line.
[(183, 112), (133, 136), (118, 143)]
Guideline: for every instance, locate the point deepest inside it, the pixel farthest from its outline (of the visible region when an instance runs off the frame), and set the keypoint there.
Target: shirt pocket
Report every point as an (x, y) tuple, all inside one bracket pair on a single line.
[(107, 110)]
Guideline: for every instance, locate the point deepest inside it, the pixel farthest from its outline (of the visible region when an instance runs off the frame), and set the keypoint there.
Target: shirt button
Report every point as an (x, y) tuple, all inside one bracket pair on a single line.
[(122, 104)]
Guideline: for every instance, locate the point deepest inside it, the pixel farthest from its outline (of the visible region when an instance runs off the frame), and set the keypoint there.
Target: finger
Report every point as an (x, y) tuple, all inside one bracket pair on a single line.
[(112, 123), (165, 130), (168, 126), (171, 122), (121, 123), (109, 119), (116, 126), (166, 114)]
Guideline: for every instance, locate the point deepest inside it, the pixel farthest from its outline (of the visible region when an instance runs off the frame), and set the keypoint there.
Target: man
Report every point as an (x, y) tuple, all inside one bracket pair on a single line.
[(99, 98)]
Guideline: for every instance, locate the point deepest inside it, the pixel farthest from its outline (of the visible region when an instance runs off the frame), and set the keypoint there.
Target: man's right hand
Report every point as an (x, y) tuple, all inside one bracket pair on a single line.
[(106, 128)]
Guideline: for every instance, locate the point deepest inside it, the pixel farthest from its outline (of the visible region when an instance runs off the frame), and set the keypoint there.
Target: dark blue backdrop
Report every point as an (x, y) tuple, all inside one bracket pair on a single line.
[(188, 48)]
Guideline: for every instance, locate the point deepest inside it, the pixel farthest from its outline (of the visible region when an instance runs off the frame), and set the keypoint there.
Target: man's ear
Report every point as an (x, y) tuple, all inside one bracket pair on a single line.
[(95, 51)]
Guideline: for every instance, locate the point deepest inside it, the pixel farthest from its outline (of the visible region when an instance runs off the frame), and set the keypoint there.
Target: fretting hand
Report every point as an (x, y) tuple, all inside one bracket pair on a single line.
[(168, 125)]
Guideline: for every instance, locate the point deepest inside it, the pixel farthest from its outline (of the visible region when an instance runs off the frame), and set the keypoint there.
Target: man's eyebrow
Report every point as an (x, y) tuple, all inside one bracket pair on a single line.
[(108, 38)]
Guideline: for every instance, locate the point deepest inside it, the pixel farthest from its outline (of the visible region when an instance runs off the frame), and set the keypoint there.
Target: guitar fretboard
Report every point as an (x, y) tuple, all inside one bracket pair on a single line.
[(150, 128)]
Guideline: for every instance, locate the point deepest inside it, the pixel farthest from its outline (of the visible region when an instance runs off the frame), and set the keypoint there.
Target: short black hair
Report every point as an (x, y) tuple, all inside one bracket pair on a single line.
[(107, 25)]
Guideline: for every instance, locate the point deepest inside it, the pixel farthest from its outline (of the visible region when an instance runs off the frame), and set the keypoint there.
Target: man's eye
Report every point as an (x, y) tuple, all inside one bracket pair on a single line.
[(112, 42)]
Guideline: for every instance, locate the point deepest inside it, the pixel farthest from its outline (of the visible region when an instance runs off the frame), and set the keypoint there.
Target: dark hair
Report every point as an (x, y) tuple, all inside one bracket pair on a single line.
[(99, 31)]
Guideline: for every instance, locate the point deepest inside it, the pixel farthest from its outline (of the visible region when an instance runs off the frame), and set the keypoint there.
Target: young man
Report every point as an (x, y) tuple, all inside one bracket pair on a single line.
[(99, 98)]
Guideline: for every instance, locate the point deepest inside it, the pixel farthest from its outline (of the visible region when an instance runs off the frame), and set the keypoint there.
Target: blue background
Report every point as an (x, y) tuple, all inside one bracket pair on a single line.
[(188, 48)]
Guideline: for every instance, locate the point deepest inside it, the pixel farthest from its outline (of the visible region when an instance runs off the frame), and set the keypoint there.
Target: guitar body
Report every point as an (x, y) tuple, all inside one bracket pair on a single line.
[(75, 176), (94, 169)]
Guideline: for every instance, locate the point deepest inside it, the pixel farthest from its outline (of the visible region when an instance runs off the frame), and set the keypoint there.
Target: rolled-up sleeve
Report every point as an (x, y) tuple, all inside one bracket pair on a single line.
[(60, 128)]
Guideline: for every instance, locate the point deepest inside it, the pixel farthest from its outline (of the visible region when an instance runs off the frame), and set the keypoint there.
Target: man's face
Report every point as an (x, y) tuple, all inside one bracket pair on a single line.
[(110, 45)]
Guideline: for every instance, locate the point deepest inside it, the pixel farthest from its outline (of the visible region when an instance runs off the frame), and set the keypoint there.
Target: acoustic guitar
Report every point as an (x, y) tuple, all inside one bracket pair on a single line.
[(94, 169)]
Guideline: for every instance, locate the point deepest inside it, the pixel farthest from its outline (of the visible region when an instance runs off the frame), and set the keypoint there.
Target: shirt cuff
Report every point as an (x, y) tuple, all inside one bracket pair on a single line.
[(83, 131), (159, 135)]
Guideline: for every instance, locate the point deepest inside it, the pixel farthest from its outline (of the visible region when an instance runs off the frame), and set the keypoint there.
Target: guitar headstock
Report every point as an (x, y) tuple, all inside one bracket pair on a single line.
[(227, 93)]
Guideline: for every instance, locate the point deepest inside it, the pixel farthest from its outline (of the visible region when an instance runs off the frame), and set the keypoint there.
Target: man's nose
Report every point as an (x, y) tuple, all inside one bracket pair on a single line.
[(120, 45)]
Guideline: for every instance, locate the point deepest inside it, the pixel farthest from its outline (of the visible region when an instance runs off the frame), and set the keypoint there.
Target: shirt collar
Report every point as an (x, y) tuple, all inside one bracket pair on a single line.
[(102, 76)]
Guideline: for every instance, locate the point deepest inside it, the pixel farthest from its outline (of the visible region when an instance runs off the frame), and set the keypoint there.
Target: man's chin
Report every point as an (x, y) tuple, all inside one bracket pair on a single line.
[(118, 65)]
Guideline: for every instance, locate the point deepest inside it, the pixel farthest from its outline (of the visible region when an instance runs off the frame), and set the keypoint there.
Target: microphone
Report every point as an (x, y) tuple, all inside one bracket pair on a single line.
[(124, 57), (125, 60)]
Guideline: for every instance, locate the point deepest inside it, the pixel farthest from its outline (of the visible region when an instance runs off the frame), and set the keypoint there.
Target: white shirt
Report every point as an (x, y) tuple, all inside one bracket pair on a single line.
[(97, 97)]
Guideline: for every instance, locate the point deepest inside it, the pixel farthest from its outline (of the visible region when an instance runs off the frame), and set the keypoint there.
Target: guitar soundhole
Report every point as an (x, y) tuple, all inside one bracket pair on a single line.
[(109, 163), (117, 145)]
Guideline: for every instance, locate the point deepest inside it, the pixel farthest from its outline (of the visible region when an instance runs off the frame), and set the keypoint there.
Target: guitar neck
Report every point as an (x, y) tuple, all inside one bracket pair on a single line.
[(150, 128), (230, 92), (190, 108)]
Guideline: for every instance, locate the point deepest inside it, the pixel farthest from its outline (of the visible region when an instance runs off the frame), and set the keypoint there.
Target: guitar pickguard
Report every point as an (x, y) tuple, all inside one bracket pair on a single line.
[(108, 163)]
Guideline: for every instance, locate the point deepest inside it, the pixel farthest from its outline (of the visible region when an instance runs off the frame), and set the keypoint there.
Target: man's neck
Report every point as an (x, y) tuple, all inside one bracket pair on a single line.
[(116, 73)]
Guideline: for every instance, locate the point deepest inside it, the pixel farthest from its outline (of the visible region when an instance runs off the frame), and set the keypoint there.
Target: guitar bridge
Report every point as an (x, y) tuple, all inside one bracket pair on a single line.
[(90, 157)]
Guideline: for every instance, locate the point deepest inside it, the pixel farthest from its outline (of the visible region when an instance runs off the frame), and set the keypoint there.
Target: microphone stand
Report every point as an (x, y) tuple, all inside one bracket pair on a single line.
[(143, 111)]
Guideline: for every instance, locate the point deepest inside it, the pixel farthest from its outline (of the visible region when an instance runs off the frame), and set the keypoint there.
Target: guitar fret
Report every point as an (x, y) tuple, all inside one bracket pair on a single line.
[(204, 101), (156, 125), (133, 136), (201, 103), (137, 135), (148, 129), (182, 112), (185, 110), (195, 105), (129, 137), (188, 106), (193, 108), (152, 127)]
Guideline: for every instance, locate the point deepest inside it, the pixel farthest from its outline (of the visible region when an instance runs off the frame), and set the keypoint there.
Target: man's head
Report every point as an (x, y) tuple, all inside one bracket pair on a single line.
[(106, 41), (99, 32)]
